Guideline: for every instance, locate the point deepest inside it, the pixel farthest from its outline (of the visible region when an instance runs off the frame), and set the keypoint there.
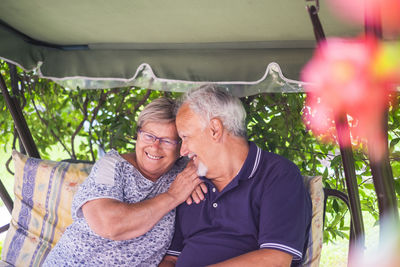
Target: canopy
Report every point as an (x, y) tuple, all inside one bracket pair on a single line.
[(250, 46)]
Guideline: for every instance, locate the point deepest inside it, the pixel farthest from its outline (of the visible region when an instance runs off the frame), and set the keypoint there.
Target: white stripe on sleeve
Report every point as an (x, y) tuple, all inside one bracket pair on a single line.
[(297, 254), (173, 252)]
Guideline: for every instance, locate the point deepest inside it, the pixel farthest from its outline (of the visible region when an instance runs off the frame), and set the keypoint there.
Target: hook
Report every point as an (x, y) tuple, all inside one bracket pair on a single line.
[(316, 5)]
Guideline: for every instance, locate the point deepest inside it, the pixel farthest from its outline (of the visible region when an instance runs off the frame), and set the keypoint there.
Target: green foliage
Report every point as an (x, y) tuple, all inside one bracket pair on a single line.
[(107, 119), (102, 118)]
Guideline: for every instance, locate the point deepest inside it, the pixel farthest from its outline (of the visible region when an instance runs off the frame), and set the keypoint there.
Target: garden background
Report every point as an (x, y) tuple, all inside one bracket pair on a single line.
[(81, 124)]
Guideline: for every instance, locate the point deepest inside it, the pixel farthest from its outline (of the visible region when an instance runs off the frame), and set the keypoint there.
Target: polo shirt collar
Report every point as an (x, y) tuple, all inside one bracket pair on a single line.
[(251, 163)]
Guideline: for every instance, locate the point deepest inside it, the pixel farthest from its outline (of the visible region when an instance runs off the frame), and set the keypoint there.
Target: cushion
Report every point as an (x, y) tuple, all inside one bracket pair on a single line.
[(315, 188), (4, 264), (43, 192)]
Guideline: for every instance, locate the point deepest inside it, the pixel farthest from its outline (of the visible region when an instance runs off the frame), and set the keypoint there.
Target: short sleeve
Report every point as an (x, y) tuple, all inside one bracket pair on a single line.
[(285, 211), (103, 181), (176, 246)]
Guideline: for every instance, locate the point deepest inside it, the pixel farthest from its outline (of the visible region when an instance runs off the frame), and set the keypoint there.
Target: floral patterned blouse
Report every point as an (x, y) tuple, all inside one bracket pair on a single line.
[(114, 177)]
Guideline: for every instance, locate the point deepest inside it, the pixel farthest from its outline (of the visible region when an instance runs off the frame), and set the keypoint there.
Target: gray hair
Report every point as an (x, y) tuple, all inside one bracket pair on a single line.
[(161, 110), (209, 101)]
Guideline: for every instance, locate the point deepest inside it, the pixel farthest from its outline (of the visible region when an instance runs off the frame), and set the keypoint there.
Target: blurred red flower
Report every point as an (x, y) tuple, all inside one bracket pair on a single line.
[(345, 81)]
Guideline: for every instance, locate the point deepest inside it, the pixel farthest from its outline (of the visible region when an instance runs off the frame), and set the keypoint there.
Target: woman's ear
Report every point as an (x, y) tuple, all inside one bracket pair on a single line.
[(216, 128)]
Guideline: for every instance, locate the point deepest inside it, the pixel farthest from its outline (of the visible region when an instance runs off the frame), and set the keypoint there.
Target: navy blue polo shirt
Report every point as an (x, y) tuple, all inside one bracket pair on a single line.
[(265, 206)]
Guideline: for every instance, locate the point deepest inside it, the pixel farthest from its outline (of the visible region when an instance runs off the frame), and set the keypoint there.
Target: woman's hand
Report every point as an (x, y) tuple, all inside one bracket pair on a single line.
[(197, 194), (187, 183), (117, 220)]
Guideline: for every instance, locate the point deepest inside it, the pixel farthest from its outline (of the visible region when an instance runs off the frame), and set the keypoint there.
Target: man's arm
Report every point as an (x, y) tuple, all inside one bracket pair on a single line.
[(117, 220), (261, 257)]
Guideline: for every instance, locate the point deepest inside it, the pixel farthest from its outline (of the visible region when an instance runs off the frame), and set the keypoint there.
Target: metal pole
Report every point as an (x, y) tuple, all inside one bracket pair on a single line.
[(384, 187), (15, 93), (343, 132), (5, 196), (19, 121), (346, 152), (381, 170)]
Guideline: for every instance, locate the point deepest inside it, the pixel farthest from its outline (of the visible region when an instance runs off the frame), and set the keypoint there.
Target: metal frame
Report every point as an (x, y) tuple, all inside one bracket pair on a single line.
[(4, 228), (19, 120), (381, 170), (346, 152), (8, 202), (329, 192)]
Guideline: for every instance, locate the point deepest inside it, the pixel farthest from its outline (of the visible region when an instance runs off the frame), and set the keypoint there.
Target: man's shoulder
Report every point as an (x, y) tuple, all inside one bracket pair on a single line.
[(276, 168), (271, 157), (275, 160)]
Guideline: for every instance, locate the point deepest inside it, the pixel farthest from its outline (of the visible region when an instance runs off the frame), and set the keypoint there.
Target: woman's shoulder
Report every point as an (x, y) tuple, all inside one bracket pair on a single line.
[(111, 156), (114, 155), (111, 160)]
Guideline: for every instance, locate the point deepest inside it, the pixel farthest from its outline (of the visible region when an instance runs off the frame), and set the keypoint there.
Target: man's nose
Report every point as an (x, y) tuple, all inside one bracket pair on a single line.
[(184, 151)]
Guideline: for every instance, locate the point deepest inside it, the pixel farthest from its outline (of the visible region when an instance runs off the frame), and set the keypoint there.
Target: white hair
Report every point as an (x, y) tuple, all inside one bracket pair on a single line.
[(209, 101)]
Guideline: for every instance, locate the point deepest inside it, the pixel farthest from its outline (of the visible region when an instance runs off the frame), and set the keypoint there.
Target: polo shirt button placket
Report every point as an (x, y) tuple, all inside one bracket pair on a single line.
[(214, 189), (215, 205)]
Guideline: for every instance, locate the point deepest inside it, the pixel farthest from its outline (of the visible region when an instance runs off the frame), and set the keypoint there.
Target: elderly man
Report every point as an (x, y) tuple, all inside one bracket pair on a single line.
[(257, 211)]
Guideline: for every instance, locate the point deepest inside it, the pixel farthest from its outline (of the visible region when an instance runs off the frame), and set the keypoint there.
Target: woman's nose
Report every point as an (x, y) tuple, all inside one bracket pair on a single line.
[(156, 143)]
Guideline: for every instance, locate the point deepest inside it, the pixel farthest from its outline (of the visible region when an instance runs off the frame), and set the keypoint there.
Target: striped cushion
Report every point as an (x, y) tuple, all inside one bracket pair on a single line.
[(315, 187), (42, 207)]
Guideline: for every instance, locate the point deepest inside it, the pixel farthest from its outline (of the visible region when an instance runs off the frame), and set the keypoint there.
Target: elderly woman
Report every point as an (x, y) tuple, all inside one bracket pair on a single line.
[(124, 211)]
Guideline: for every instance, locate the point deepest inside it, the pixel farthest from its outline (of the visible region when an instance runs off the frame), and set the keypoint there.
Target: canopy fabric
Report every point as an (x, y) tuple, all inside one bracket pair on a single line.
[(249, 46)]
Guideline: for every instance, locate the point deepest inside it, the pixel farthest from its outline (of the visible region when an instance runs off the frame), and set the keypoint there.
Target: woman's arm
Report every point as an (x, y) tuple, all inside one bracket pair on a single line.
[(117, 220)]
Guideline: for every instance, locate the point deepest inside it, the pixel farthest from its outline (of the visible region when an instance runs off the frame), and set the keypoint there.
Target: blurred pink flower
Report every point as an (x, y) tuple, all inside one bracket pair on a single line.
[(346, 83), (380, 11)]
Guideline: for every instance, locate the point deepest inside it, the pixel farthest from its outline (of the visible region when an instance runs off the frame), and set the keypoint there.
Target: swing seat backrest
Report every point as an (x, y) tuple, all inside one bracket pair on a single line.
[(315, 240), (43, 192)]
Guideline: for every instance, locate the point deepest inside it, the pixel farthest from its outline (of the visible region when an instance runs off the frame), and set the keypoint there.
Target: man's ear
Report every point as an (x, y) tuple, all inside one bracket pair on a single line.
[(216, 128)]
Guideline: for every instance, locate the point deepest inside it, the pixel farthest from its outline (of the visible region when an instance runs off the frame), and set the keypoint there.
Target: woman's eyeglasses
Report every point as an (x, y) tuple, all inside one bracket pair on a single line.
[(149, 138)]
